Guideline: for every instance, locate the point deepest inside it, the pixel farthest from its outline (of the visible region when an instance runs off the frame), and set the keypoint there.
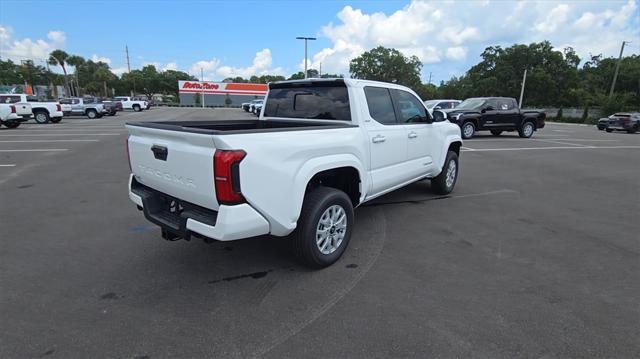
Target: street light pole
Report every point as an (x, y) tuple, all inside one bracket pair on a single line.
[(305, 51)]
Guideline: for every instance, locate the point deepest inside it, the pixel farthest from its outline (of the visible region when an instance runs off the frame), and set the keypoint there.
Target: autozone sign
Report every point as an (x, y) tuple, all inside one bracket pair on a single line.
[(222, 88)]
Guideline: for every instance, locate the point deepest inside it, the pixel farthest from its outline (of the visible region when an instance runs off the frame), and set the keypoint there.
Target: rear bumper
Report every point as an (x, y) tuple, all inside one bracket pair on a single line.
[(227, 224)]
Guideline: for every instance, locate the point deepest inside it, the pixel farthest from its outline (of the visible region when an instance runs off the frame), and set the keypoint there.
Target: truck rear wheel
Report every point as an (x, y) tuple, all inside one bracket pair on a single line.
[(446, 180), (526, 130), (324, 227), (92, 114), (41, 116), (137, 108)]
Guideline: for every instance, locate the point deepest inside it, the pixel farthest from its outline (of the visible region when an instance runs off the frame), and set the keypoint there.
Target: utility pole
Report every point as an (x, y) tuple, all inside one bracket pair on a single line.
[(524, 79), (126, 49), (430, 77), (320, 71), (305, 51), (202, 85), (615, 74)]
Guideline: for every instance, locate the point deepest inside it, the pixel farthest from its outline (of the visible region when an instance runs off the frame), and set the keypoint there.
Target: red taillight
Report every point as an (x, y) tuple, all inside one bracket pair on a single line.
[(58, 108), (128, 156), (13, 109), (226, 172)]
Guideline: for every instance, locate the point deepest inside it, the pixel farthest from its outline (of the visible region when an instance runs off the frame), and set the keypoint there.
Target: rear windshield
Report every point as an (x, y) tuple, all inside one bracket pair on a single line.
[(318, 100)]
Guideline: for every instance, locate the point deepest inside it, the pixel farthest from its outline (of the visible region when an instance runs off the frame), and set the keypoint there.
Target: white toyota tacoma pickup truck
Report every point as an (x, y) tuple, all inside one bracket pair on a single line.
[(320, 148), (128, 103), (43, 112)]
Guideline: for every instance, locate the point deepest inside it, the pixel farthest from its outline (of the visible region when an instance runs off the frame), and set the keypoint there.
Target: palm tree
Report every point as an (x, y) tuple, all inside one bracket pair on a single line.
[(59, 57), (76, 61)]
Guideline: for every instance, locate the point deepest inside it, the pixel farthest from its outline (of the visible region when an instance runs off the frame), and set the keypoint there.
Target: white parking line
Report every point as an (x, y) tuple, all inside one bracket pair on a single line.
[(550, 148), (559, 143), (62, 134), (41, 141), (38, 150), (10, 165)]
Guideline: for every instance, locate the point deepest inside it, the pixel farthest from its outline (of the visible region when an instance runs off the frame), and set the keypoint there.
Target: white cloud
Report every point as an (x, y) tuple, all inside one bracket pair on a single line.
[(119, 70), (24, 49), (556, 18), (170, 66), (96, 58), (208, 67), (446, 32), (456, 53), (261, 66)]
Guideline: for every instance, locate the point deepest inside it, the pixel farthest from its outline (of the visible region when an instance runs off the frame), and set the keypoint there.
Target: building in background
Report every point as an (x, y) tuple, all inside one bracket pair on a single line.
[(219, 94)]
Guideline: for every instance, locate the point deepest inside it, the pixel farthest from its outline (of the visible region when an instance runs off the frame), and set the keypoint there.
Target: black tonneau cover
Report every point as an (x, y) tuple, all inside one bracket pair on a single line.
[(239, 126)]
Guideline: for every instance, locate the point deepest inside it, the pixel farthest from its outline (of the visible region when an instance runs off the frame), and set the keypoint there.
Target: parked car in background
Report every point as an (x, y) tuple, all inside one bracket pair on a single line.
[(9, 115), (247, 105), (257, 108), (130, 103), (623, 121), (84, 106), (149, 102), (254, 103), (495, 114), (43, 111), (111, 107), (228, 180), (441, 104)]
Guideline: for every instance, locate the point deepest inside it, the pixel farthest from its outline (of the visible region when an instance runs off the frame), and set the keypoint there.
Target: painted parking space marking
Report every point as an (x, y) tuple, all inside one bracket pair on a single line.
[(558, 142), (45, 141), (550, 148), (60, 134), (8, 165), (38, 150)]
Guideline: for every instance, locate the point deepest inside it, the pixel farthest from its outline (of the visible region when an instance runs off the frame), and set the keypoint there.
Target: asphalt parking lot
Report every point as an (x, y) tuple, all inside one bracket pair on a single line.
[(535, 254)]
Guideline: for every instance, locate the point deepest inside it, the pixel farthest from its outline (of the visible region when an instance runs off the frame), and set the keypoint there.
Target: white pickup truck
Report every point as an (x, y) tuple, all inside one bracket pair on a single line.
[(9, 116), (128, 103), (320, 148), (43, 112)]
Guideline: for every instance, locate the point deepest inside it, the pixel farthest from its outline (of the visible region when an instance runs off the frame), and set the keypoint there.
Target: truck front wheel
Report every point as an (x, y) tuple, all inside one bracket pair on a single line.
[(12, 124), (468, 130), (324, 227), (446, 180), (92, 114)]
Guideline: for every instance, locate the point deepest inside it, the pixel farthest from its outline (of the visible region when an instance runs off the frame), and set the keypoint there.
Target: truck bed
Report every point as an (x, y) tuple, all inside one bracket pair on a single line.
[(239, 126)]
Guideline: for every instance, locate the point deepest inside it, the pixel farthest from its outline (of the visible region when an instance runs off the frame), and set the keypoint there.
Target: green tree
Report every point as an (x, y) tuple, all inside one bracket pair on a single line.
[(59, 57), (9, 73), (389, 65), (76, 61)]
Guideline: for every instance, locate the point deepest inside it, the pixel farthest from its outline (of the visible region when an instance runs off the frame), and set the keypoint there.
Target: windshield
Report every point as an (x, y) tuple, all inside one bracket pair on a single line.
[(431, 104), (471, 103)]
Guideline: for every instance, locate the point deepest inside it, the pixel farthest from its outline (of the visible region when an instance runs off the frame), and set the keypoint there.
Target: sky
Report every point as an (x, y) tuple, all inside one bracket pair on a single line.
[(245, 38)]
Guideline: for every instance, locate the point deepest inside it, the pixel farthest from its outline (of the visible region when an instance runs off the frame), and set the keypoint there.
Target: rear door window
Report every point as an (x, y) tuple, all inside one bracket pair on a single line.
[(317, 101), (380, 105), (410, 108)]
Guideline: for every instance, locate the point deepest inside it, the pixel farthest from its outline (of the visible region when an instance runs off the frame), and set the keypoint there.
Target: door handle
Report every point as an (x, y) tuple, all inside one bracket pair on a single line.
[(378, 139), (413, 135)]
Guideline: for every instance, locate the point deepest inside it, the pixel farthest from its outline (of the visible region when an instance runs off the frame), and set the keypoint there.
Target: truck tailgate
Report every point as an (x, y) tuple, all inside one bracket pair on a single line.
[(179, 164)]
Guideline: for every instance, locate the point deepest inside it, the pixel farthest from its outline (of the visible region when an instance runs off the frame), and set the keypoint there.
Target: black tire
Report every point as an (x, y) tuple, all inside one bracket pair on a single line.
[(56, 119), (608, 130), (11, 124), (41, 117), (440, 184), (137, 108), (601, 128), (633, 129), (92, 114), (316, 203), (527, 129), (468, 129), (496, 132)]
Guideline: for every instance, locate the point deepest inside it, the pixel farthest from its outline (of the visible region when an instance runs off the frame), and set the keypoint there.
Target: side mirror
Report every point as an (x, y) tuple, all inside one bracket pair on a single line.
[(439, 116)]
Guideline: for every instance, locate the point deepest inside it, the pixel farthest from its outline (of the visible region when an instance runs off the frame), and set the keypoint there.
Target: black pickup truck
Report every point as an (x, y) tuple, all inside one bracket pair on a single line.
[(495, 114)]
